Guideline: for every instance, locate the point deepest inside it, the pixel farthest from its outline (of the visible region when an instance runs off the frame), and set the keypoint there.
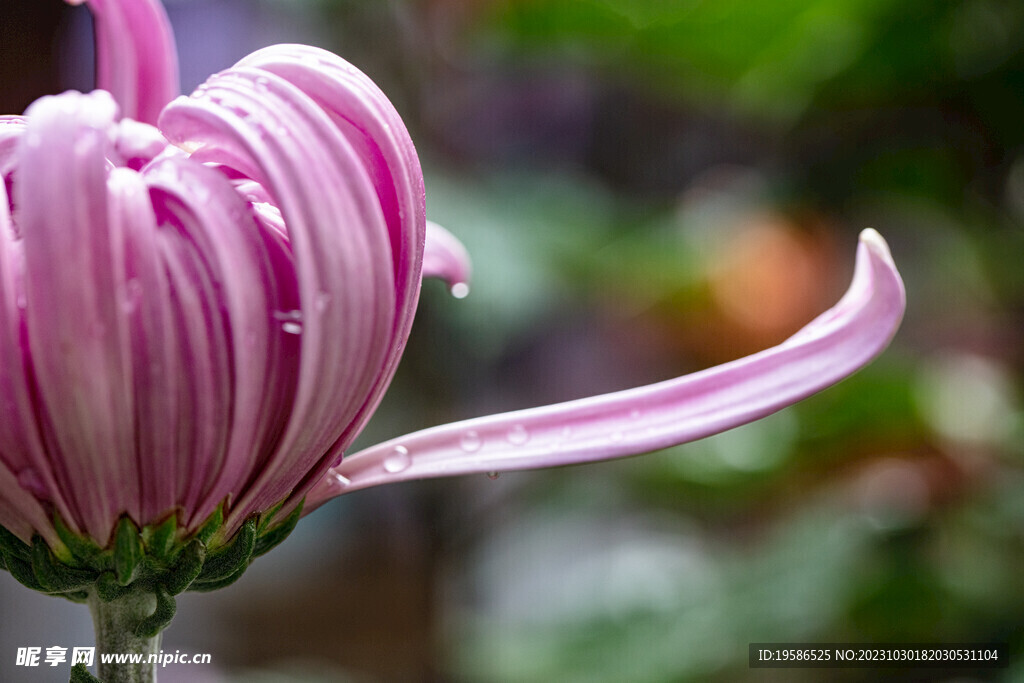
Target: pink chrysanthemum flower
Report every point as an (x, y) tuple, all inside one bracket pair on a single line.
[(203, 299)]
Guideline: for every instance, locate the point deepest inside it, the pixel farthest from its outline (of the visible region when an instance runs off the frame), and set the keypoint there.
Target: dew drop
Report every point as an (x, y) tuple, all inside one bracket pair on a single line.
[(460, 290), (493, 475), (291, 321), (518, 435), (398, 461), (470, 441), (340, 481)]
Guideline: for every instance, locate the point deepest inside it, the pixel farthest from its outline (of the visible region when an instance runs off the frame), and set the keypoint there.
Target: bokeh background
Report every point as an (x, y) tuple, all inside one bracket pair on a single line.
[(650, 187)]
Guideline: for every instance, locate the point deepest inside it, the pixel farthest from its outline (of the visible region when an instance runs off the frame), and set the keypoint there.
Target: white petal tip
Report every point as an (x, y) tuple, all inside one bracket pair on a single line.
[(460, 290), (874, 241)]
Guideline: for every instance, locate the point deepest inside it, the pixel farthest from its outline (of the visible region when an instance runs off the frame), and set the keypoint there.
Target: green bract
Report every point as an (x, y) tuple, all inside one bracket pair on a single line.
[(158, 559)]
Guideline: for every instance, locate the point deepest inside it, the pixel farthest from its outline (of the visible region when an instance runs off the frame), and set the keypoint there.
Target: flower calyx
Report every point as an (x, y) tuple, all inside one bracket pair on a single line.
[(156, 559)]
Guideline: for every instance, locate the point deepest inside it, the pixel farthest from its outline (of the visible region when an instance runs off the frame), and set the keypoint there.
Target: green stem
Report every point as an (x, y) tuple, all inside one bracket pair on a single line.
[(115, 622)]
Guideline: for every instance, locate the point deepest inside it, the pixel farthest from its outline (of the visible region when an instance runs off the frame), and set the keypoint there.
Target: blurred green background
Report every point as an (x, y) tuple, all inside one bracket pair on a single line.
[(648, 188)]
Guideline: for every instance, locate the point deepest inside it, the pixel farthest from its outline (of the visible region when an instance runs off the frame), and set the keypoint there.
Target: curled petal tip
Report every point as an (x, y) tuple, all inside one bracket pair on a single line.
[(444, 257), (874, 241)]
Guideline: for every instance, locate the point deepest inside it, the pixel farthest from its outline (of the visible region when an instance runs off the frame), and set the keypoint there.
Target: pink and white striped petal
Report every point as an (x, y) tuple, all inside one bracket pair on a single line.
[(625, 423)]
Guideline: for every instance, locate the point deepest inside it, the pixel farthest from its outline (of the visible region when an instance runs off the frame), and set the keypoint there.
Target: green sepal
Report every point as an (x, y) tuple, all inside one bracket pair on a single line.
[(267, 517), (187, 568), (53, 575), (108, 588), (211, 526), (80, 597), (227, 559), (217, 584), (271, 538), (128, 551), (14, 545), (159, 539), (80, 674), (21, 570), (83, 550), (161, 617)]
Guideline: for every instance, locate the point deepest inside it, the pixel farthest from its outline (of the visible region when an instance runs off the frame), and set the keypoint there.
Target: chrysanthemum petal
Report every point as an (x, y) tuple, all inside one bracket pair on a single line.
[(136, 59), (269, 130), (215, 222), (445, 257), (26, 473), (76, 333), (377, 134), (657, 416)]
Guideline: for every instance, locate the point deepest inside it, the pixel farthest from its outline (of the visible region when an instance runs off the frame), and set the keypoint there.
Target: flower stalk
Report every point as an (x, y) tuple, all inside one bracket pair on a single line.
[(116, 624)]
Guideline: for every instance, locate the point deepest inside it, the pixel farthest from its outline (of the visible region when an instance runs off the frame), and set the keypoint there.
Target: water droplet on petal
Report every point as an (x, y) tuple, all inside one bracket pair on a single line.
[(398, 461), (460, 290), (339, 480), (470, 441), (518, 435), (291, 321), (493, 475)]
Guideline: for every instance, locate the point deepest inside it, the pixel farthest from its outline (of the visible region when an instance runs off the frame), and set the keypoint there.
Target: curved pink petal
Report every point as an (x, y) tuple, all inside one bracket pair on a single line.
[(80, 357), (26, 473), (257, 316), (156, 368), (266, 128), (444, 257), (831, 347), (378, 135), (136, 59)]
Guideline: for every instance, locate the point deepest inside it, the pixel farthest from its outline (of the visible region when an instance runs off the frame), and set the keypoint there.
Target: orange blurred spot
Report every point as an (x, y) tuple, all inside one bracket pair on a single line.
[(771, 277)]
